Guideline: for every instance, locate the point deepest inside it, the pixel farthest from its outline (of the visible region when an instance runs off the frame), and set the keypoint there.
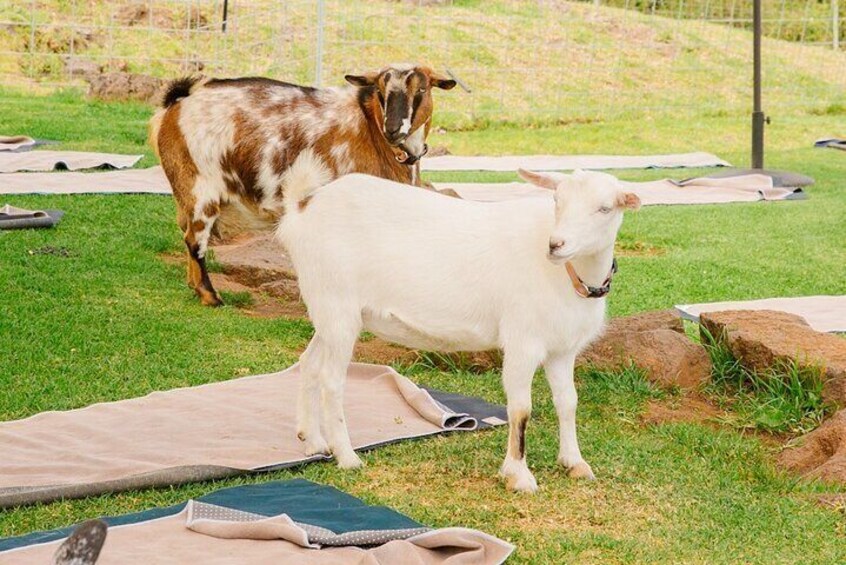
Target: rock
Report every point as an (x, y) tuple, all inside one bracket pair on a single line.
[(258, 261), (160, 17), (124, 86), (646, 321), (820, 454), (668, 356), (761, 339)]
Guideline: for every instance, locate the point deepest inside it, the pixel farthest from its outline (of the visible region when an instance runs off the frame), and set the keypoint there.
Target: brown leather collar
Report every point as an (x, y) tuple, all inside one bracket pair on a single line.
[(586, 291)]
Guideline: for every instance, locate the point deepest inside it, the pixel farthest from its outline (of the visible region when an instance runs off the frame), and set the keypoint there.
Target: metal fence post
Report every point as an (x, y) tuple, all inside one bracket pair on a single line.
[(835, 25), (757, 112), (318, 56)]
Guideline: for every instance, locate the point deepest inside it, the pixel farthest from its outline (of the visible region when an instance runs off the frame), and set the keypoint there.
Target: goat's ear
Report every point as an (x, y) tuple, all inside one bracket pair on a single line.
[(367, 79), (440, 81), (628, 200), (538, 179)]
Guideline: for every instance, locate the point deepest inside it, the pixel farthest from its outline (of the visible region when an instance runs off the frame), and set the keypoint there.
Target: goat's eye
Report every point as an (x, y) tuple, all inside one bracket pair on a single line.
[(605, 210)]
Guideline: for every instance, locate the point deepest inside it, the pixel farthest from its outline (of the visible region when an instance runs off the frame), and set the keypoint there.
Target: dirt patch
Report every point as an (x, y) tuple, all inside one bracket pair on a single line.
[(263, 306), (381, 352), (638, 249), (143, 14), (691, 409), (124, 86), (835, 501)]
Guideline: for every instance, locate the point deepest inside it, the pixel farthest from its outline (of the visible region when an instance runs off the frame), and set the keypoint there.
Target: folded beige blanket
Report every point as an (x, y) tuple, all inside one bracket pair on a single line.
[(823, 313), (570, 162), (745, 188), (151, 180), (11, 162), (202, 432)]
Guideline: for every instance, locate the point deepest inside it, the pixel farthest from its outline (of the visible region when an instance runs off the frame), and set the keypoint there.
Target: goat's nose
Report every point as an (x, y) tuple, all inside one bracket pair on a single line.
[(555, 244)]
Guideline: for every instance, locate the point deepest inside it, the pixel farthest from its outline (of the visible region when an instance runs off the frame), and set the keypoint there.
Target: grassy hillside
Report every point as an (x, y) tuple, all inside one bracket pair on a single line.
[(553, 61)]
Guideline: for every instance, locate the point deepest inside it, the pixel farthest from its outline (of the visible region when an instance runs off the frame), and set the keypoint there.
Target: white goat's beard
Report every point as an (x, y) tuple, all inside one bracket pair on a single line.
[(415, 143)]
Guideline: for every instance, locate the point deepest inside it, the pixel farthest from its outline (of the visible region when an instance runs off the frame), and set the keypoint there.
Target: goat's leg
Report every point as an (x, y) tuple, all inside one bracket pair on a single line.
[(308, 404), (197, 240), (559, 374), (334, 347), (518, 371)]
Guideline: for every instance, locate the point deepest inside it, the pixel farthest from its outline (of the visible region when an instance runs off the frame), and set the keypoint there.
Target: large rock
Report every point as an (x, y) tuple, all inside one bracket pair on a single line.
[(820, 454), (668, 357), (761, 339)]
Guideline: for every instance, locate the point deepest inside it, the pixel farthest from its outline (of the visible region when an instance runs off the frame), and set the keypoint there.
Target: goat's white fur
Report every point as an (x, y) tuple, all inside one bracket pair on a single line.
[(437, 273)]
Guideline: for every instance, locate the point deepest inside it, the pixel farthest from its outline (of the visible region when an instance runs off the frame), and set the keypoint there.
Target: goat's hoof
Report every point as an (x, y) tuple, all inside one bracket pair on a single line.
[(523, 482), (349, 461), (315, 446), (208, 297), (581, 470)]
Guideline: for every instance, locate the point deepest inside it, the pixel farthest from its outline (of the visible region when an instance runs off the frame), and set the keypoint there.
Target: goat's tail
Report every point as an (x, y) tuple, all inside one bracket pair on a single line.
[(305, 175), (171, 94)]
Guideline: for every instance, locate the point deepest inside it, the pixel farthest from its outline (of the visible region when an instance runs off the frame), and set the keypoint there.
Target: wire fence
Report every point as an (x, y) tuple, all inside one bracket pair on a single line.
[(529, 60)]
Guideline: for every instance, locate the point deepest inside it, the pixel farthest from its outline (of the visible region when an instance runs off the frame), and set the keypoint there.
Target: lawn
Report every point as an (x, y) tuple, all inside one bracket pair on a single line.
[(109, 320)]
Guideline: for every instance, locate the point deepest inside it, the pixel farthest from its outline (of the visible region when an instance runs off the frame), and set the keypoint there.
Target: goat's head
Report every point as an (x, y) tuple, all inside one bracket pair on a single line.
[(588, 211), (404, 103)]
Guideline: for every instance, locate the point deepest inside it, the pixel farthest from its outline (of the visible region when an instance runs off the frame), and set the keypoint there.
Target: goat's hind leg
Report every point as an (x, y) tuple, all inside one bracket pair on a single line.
[(197, 235), (334, 339), (308, 404)]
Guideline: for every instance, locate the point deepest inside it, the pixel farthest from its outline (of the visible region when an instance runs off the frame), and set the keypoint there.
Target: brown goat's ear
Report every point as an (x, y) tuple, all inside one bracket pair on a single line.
[(367, 79), (440, 81), (538, 179), (628, 200)]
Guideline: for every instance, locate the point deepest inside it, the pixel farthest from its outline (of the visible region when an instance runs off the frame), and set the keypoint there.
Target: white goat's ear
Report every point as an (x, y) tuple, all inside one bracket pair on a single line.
[(628, 200), (539, 179), (367, 79)]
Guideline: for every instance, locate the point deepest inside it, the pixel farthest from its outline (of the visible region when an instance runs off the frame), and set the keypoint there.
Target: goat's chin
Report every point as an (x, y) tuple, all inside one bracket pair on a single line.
[(558, 259)]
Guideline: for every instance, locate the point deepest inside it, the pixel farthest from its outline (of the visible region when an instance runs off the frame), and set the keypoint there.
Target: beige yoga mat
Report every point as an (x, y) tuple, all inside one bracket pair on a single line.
[(570, 162), (224, 536), (15, 142), (745, 188), (208, 431), (151, 180), (823, 313), (11, 162)]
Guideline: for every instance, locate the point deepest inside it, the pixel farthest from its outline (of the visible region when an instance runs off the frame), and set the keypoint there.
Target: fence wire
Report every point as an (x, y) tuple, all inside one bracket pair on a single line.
[(529, 60)]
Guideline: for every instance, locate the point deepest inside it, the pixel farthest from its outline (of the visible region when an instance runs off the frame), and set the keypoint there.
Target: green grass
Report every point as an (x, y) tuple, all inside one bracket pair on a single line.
[(786, 399), (111, 320)]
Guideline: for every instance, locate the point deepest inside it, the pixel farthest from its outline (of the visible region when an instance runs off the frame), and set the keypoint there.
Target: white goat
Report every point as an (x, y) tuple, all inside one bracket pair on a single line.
[(437, 273)]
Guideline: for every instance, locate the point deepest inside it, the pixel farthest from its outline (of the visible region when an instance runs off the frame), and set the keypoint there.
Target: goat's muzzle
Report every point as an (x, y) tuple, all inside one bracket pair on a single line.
[(404, 157)]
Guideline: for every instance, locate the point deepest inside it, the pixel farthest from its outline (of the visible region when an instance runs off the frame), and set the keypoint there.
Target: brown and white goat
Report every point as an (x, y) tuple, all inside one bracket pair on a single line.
[(226, 145)]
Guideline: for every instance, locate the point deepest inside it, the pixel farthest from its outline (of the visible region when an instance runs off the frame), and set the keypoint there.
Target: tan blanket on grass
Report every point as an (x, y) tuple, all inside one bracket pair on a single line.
[(11, 162), (745, 188), (142, 181), (223, 536), (204, 432), (570, 162), (14, 142), (823, 313)]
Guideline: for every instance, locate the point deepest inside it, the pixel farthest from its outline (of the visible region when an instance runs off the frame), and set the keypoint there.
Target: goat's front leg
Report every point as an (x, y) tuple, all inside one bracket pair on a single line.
[(518, 371), (559, 373)]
